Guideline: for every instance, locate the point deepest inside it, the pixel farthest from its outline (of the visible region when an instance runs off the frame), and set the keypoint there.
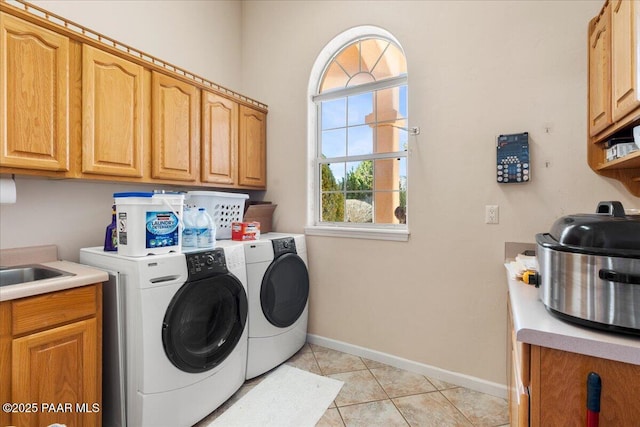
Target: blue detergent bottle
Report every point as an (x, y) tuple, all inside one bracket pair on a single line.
[(111, 235)]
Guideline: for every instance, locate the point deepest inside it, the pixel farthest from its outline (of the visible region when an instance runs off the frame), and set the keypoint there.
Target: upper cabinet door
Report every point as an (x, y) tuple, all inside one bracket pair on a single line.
[(113, 111), (175, 110), (625, 42), (34, 96), (252, 148), (219, 139), (600, 73)]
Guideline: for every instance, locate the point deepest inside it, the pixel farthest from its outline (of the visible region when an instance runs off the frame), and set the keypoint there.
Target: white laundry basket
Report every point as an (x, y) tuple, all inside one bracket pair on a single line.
[(224, 208)]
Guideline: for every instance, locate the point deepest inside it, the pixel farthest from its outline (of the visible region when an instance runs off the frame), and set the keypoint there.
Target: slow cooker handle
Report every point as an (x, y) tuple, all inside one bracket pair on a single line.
[(612, 208), (615, 276)]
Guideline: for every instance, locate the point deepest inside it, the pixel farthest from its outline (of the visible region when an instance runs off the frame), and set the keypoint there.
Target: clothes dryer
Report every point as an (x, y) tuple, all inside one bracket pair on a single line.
[(174, 334), (278, 284)]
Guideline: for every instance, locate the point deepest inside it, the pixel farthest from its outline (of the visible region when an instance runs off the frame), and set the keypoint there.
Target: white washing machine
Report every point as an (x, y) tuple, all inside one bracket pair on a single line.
[(278, 288), (174, 334)]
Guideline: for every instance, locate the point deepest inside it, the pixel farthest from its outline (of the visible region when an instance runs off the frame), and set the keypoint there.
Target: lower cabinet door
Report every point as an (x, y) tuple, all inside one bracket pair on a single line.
[(55, 375)]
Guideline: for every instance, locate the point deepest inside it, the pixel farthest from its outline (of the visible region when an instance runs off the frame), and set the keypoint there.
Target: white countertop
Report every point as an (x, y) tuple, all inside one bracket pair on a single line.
[(82, 276), (533, 324)]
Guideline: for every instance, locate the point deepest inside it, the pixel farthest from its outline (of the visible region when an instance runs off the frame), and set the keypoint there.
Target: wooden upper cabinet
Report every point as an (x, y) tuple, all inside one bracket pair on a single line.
[(34, 94), (113, 110), (252, 148), (600, 72), (175, 112), (625, 37), (219, 139)]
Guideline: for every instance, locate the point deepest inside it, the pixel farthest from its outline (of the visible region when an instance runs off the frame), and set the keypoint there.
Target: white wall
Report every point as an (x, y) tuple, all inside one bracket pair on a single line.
[(477, 69), (203, 37)]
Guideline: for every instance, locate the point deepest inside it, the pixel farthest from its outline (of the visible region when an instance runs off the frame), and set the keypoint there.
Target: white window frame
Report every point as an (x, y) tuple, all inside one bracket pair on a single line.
[(352, 230)]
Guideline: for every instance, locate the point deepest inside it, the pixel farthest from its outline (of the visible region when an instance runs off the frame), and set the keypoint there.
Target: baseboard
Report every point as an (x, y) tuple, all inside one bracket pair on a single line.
[(462, 380)]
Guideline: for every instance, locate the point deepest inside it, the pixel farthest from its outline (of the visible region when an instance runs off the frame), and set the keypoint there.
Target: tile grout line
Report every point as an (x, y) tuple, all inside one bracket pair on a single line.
[(457, 409), (313, 353), (385, 392)]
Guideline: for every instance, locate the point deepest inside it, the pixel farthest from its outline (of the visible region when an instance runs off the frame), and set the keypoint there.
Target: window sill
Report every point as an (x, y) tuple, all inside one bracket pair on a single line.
[(358, 233)]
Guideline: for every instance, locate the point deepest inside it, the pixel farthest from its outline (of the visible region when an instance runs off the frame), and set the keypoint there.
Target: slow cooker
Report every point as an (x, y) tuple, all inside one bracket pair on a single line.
[(590, 269)]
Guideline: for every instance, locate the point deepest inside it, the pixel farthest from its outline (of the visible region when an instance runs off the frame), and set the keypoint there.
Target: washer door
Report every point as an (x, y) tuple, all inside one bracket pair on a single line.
[(204, 322), (284, 290)]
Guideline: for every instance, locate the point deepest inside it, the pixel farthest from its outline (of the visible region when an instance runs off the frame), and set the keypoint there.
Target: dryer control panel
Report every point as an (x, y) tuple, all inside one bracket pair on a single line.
[(206, 263), (283, 246)]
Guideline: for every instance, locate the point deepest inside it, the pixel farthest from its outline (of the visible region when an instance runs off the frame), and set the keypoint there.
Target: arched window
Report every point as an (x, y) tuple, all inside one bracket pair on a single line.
[(360, 138)]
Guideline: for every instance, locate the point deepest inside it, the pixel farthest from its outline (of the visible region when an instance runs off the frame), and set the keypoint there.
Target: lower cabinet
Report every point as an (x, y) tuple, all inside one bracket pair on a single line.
[(51, 353), (518, 375), (548, 387)]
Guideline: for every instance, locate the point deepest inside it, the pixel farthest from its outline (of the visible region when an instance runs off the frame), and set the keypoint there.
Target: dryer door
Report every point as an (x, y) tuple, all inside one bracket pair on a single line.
[(204, 322), (284, 290)]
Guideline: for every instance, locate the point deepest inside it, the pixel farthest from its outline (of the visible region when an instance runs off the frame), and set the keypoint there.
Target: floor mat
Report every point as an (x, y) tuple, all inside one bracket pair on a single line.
[(287, 397)]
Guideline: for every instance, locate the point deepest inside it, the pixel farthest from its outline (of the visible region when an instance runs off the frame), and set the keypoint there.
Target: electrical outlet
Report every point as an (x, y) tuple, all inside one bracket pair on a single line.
[(491, 214)]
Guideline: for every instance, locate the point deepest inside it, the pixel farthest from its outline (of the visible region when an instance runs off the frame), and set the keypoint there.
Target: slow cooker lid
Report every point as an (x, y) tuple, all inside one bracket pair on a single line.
[(609, 229)]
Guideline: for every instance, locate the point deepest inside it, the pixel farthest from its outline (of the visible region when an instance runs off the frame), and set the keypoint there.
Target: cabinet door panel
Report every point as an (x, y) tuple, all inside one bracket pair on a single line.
[(112, 114), (34, 92), (600, 74), (219, 139), (624, 45), (252, 148), (563, 389), (58, 366), (176, 136)]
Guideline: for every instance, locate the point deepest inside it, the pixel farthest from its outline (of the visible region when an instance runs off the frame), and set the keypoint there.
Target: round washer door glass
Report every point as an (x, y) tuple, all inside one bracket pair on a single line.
[(285, 290), (204, 322)]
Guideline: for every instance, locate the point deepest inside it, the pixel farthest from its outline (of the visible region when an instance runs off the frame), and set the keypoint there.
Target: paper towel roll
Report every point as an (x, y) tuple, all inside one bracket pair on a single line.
[(7, 190)]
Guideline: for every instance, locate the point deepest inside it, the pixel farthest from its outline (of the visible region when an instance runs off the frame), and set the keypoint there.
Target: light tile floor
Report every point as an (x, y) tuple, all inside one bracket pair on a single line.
[(375, 394)]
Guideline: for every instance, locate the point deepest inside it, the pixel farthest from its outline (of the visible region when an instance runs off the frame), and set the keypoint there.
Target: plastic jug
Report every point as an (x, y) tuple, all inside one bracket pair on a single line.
[(206, 229), (189, 233)]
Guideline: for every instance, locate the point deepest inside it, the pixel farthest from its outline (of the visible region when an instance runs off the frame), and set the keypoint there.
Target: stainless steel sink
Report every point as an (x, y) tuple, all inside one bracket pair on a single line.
[(28, 273)]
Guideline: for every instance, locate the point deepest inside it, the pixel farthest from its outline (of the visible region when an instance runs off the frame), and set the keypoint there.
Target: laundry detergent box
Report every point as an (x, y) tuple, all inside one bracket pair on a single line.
[(244, 231), (148, 223)]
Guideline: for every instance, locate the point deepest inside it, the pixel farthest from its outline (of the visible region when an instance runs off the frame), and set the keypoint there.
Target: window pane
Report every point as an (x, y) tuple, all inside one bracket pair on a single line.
[(359, 175), (334, 77), (349, 59), (359, 208), (360, 140), (391, 64), (332, 176), (390, 207), (332, 207), (391, 136), (371, 50), (390, 174), (334, 114), (360, 106), (388, 104), (403, 101), (360, 79), (334, 143)]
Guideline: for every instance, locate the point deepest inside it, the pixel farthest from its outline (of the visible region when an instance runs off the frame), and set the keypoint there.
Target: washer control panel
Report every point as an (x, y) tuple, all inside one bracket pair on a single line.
[(286, 245), (206, 263)]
